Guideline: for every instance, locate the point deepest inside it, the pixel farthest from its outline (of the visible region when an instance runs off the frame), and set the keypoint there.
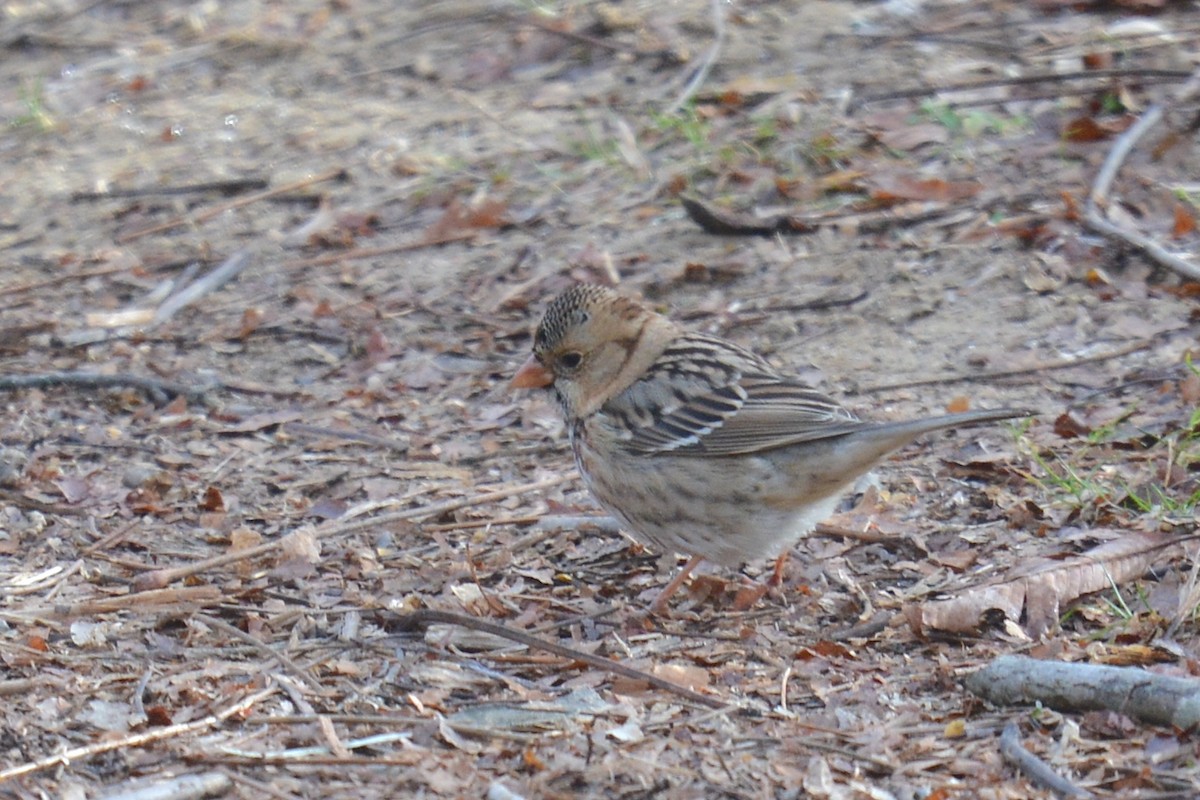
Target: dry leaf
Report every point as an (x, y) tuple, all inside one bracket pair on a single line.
[(300, 546), (1037, 592), (1185, 221), (893, 187)]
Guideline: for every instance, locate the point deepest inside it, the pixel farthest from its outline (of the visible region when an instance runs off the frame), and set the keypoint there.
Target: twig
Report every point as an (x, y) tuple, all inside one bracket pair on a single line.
[(882, 764), (225, 187), (284, 661), (304, 753), (181, 787), (161, 577), (1095, 219), (425, 617), (58, 280), (139, 695), (701, 74), (349, 719), (1021, 80), (382, 442), (864, 630), (142, 601), (22, 686), (111, 538), (260, 789), (372, 252), (158, 390), (802, 742), (576, 36), (1047, 366), (1038, 771), (200, 287), (216, 211), (21, 501), (138, 740)]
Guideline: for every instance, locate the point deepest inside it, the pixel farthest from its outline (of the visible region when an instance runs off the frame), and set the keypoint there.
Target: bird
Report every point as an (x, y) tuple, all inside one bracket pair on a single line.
[(695, 444)]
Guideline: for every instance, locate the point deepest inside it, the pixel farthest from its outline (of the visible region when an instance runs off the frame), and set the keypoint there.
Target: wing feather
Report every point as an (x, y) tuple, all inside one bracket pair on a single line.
[(704, 396)]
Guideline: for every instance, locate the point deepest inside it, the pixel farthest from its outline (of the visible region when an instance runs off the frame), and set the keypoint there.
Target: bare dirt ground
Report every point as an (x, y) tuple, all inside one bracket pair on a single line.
[(221, 562)]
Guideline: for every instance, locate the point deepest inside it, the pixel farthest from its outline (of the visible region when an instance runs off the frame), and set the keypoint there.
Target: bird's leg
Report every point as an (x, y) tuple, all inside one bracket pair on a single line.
[(780, 565), (659, 606), (750, 594)]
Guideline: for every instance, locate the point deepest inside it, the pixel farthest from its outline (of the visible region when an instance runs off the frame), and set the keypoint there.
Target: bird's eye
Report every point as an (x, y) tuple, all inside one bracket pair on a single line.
[(571, 360)]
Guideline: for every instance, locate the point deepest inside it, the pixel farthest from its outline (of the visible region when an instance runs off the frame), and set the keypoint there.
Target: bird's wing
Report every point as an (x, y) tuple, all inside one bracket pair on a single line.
[(704, 396)]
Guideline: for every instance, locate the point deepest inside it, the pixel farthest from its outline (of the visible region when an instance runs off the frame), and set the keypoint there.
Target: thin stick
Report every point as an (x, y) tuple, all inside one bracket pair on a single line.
[(161, 577), (426, 617), (142, 601), (58, 280), (371, 252), (21, 501), (158, 390), (138, 740), (284, 661), (693, 86), (200, 287), (1048, 366), (1124, 144), (180, 787), (225, 187), (1038, 771), (1021, 80), (216, 211)]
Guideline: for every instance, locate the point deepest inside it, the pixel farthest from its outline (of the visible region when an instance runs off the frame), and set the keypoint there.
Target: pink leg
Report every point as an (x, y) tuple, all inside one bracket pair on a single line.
[(780, 566), (659, 606)]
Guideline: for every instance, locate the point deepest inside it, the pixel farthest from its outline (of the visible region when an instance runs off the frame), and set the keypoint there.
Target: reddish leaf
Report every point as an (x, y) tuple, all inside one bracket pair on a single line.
[(1185, 221), (889, 188), (957, 405), (251, 319), (158, 716), (213, 501), (1085, 129), (1068, 427)]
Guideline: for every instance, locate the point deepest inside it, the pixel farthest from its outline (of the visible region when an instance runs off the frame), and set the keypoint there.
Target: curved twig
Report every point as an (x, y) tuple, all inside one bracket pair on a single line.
[(1033, 768), (1093, 217), (425, 617)]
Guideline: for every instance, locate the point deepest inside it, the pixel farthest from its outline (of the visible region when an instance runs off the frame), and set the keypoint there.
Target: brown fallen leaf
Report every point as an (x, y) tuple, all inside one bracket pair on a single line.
[(893, 187), (1185, 221), (1034, 594)]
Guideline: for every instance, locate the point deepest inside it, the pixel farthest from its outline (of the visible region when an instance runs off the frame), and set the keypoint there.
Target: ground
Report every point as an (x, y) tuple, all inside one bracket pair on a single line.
[(284, 473)]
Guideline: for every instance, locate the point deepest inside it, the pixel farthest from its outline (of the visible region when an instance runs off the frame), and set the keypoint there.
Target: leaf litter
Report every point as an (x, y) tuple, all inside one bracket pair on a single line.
[(414, 182)]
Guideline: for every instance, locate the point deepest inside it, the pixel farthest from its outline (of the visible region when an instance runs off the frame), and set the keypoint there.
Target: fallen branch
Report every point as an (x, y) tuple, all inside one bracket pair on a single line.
[(1134, 692), (1033, 768), (158, 734), (426, 617)]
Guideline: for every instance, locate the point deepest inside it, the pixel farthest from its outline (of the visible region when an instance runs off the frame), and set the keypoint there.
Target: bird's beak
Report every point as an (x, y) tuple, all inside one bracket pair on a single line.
[(531, 375)]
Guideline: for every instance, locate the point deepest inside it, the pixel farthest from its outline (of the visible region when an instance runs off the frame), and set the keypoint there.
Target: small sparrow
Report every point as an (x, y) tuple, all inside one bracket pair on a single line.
[(695, 444)]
